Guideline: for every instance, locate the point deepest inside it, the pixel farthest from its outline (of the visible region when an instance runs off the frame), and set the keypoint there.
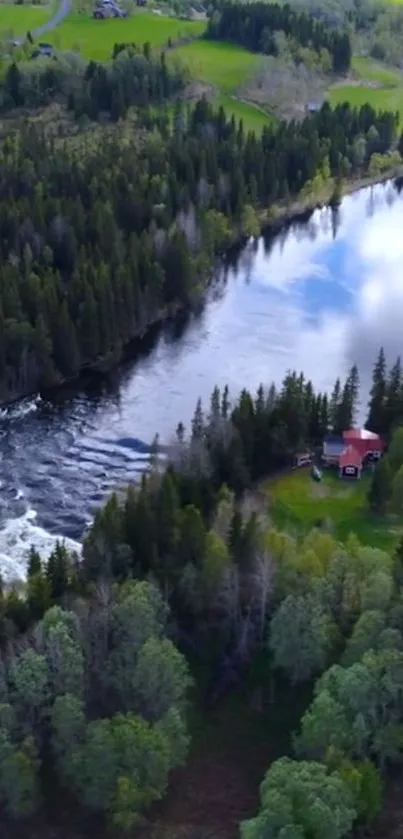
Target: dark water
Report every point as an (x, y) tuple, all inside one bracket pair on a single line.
[(317, 297)]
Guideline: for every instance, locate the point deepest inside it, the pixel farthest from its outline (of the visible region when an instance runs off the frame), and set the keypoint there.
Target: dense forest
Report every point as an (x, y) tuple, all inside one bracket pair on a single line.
[(94, 680), (99, 240), (254, 26), (110, 220), (134, 77)]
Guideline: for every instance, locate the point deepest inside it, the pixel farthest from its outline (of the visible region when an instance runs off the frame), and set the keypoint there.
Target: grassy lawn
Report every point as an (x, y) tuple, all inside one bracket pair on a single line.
[(298, 502), (387, 94), (225, 66), (254, 118), (222, 64), (367, 68), (19, 19), (95, 38)]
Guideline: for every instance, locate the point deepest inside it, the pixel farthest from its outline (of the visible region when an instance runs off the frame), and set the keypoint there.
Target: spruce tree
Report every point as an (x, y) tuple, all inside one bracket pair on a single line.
[(381, 486), (376, 406), (393, 398)]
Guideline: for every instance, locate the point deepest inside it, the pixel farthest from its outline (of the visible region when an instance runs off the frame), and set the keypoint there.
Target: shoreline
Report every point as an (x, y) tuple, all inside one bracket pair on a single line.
[(271, 220), (279, 214)]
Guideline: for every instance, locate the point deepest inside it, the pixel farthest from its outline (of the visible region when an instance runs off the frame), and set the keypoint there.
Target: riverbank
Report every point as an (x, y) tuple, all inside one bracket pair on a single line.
[(271, 220), (332, 193)]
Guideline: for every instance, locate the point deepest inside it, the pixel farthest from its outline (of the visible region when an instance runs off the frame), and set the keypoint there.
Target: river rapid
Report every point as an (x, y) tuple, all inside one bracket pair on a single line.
[(318, 296)]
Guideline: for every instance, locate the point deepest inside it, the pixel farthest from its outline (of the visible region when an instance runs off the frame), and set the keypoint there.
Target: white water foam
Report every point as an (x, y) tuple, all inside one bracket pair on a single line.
[(21, 409), (16, 538)]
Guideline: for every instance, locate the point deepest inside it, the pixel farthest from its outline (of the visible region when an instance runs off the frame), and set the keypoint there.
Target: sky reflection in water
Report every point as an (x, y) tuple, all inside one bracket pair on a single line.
[(326, 302)]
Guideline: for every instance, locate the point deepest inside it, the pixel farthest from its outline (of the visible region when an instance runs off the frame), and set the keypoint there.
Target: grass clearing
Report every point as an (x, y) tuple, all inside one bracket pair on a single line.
[(20, 19), (367, 68), (374, 84), (218, 63), (254, 118), (297, 503), (226, 67), (95, 38)]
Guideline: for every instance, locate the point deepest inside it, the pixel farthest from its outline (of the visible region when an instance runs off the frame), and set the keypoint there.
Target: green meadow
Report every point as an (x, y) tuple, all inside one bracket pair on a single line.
[(297, 503), (225, 67), (20, 19), (95, 38), (379, 86)]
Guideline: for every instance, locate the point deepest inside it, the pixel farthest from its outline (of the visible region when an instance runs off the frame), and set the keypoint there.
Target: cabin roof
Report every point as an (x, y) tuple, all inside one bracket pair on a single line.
[(350, 457), (333, 446), (361, 434)]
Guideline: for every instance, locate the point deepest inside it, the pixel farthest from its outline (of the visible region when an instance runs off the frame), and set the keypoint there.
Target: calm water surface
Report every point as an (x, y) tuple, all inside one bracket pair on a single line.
[(317, 297)]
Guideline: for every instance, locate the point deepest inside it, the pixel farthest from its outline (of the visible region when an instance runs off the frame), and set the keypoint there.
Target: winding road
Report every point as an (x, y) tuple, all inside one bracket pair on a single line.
[(60, 14)]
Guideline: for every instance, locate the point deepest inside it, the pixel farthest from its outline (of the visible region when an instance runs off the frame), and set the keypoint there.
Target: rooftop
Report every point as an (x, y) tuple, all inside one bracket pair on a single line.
[(350, 457), (360, 434)]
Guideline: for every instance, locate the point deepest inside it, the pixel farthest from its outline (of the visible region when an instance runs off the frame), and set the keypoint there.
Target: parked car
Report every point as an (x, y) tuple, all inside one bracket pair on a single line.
[(316, 473), (108, 9)]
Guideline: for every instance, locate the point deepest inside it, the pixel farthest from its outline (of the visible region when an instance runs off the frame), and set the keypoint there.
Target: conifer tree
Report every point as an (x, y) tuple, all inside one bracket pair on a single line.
[(376, 406)]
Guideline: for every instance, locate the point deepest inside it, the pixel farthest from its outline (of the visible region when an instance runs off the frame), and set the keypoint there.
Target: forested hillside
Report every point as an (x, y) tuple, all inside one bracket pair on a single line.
[(96, 691), (101, 239), (254, 25), (134, 77)]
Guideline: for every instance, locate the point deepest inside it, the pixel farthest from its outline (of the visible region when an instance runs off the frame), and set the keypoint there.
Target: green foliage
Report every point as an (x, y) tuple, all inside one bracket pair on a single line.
[(101, 692), (256, 26), (356, 710), (302, 637), (95, 39), (29, 692), (18, 776), (366, 634), (365, 783), (123, 766), (300, 800), (381, 486), (114, 259)]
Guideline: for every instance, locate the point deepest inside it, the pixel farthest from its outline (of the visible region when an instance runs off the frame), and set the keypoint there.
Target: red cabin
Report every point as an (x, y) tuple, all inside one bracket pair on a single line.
[(369, 445), (350, 463)]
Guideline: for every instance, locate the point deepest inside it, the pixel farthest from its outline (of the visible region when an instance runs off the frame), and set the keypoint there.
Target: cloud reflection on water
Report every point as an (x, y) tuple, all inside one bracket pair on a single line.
[(335, 301)]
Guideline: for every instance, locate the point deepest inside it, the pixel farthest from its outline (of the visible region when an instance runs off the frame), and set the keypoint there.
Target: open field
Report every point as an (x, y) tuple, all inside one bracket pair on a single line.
[(226, 67), (95, 38), (373, 83), (297, 503), (20, 19)]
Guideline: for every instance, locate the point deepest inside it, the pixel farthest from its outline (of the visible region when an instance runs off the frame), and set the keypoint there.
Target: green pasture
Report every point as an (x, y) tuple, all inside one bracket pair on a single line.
[(20, 19), (297, 503), (218, 63), (225, 67), (254, 118), (373, 71), (385, 94), (95, 38)]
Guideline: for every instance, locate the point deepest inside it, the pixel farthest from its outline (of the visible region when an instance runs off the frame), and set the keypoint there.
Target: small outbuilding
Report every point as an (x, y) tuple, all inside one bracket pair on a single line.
[(313, 107), (350, 463), (333, 447), (302, 459), (43, 50)]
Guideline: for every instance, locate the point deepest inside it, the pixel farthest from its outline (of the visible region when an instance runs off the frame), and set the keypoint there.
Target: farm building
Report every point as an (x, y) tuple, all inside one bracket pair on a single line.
[(350, 463), (303, 459), (43, 50), (313, 107), (107, 9), (351, 451)]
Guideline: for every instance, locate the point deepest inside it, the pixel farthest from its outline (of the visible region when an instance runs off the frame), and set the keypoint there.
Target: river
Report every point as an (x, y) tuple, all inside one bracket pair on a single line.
[(316, 297)]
